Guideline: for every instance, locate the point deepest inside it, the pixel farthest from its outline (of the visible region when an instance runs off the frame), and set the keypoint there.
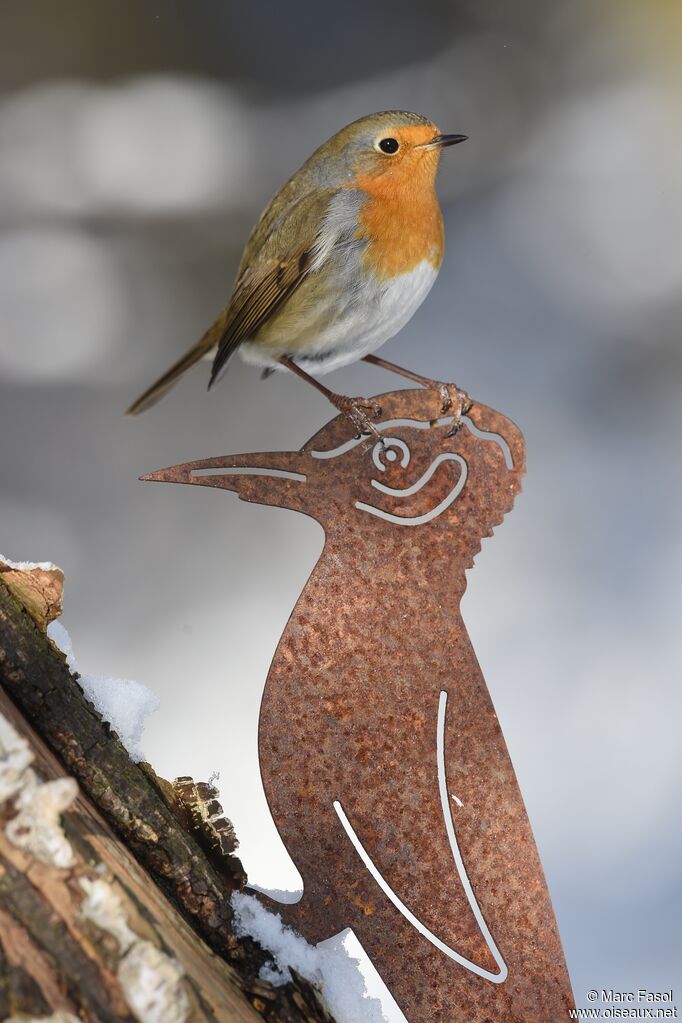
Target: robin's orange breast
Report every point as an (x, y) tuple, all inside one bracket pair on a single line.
[(401, 221)]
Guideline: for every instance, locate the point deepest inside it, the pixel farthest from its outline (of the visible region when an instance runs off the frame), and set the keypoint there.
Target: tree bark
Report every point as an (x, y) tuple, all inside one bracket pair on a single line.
[(112, 909)]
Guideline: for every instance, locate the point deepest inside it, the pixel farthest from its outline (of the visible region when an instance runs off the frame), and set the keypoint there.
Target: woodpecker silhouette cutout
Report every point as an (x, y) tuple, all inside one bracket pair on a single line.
[(382, 758)]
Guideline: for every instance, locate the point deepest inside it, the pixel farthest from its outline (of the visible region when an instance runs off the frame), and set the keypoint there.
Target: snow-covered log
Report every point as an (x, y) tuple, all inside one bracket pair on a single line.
[(110, 906)]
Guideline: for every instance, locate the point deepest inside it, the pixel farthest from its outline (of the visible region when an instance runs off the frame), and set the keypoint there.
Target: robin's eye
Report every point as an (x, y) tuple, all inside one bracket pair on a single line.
[(389, 146)]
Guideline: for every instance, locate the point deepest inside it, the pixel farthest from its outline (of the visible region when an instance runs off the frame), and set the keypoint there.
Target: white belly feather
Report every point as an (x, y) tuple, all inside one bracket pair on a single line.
[(376, 313)]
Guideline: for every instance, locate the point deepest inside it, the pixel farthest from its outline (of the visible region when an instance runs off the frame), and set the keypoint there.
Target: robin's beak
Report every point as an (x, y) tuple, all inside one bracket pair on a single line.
[(441, 141)]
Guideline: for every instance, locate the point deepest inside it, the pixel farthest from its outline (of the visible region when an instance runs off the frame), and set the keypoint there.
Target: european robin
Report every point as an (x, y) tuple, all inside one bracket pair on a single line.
[(339, 261)]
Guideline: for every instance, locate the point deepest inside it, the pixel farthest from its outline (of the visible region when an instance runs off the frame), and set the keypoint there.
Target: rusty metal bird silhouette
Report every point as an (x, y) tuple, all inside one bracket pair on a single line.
[(382, 758)]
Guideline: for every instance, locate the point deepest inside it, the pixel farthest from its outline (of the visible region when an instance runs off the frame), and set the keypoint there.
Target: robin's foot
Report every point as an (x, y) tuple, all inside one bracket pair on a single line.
[(454, 402), (360, 411)]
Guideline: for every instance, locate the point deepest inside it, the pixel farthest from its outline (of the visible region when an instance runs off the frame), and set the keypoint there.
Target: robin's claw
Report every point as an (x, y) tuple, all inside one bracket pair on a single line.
[(357, 409), (446, 400), (452, 398), (463, 405), (455, 401)]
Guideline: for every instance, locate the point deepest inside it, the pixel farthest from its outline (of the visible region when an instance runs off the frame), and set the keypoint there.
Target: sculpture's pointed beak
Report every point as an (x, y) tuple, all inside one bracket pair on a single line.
[(265, 478)]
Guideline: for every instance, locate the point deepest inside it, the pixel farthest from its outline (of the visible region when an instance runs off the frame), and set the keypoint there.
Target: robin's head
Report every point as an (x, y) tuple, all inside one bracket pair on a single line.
[(387, 147)]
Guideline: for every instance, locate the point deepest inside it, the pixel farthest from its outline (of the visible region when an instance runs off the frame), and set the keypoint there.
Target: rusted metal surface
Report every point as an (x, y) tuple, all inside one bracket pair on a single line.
[(382, 757)]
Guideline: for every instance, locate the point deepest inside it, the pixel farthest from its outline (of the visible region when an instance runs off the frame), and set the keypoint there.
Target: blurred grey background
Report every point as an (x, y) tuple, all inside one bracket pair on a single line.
[(138, 142)]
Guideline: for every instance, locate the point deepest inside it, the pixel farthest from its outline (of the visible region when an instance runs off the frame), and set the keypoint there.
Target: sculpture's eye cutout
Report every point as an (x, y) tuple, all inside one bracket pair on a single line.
[(391, 424), (392, 450)]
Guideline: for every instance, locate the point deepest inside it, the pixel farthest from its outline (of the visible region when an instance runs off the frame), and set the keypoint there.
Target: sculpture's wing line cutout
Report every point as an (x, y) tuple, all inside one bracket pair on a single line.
[(494, 978)]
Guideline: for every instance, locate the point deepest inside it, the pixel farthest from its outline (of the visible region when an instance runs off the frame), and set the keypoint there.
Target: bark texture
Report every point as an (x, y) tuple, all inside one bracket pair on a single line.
[(110, 906)]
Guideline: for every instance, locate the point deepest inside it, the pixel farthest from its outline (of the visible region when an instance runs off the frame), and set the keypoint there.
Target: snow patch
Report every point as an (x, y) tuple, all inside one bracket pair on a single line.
[(283, 895), (327, 965), (124, 704), (61, 639), (26, 566)]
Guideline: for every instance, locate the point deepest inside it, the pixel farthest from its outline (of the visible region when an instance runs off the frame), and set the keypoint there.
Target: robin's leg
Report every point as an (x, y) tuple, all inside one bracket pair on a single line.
[(451, 396), (356, 409)]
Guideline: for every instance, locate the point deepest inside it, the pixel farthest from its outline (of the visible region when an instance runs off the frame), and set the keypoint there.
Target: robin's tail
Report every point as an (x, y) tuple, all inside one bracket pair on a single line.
[(170, 378)]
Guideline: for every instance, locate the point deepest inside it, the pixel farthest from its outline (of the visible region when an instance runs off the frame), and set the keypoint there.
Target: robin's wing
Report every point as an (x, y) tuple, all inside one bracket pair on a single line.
[(285, 246)]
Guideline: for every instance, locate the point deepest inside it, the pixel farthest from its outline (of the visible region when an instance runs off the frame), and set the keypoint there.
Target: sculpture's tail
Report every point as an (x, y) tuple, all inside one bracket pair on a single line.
[(169, 379)]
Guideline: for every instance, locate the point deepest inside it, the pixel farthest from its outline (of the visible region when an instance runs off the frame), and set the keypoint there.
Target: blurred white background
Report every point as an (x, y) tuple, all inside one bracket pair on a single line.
[(138, 142)]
